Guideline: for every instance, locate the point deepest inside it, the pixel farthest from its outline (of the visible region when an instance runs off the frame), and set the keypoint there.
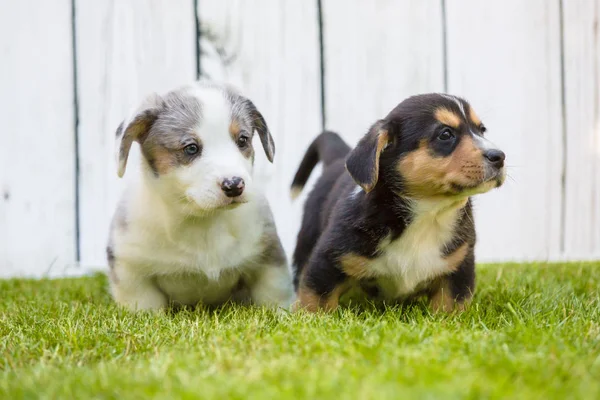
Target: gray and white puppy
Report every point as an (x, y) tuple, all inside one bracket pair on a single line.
[(193, 227)]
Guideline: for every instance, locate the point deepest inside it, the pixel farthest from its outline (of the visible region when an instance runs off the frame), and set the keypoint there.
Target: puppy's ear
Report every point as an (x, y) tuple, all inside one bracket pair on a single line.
[(135, 129), (260, 125), (363, 161)]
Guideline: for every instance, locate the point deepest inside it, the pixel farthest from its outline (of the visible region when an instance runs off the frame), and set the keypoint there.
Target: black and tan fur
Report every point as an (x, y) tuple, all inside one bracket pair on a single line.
[(394, 215)]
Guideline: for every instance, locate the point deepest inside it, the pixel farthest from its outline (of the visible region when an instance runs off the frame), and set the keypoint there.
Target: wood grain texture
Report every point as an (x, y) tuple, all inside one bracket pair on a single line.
[(273, 50), (126, 50), (582, 86), (37, 175), (504, 57), (376, 54)]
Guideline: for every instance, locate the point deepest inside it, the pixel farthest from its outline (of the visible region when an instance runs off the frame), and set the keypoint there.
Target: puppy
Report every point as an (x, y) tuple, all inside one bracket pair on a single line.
[(193, 228), (397, 221)]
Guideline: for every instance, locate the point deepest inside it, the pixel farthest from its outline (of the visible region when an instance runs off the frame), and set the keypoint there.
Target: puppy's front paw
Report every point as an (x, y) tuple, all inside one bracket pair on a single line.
[(139, 296), (273, 288), (287, 303), (443, 302), (146, 304)]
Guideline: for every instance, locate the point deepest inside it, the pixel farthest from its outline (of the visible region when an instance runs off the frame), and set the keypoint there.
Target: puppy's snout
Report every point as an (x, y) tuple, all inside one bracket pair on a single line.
[(233, 187), (495, 157)]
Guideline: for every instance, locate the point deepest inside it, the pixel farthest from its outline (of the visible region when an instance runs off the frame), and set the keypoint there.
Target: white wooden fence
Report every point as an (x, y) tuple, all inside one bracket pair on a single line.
[(70, 70)]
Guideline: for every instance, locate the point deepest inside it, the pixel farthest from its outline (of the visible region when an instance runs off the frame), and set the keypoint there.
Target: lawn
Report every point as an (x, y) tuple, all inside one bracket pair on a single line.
[(533, 331)]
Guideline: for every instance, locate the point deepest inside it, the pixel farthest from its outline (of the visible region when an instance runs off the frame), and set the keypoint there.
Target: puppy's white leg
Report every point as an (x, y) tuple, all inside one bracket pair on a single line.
[(136, 292), (272, 287)]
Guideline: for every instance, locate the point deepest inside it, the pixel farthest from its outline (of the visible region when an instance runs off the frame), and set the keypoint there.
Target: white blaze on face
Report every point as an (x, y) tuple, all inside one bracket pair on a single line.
[(458, 103), (483, 143), (220, 158)]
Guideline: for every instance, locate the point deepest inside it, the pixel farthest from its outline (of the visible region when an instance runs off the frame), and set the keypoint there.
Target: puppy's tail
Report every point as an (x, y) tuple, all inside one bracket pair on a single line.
[(327, 147)]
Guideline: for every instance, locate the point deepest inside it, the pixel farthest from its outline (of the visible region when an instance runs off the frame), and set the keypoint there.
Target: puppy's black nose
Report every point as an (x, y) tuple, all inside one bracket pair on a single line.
[(495, 157), (233, 187)]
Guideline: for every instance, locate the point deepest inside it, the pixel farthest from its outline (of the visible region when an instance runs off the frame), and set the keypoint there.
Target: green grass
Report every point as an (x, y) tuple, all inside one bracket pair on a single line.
[(533, 331)]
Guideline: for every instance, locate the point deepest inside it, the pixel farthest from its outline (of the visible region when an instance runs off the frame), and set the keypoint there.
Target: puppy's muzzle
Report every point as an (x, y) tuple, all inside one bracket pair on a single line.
[(233, 187), (494, 169), (495, 158)]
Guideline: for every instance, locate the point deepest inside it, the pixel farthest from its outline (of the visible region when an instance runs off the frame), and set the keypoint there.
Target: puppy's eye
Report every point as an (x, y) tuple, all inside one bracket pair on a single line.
[(446, 134), (243, 141), (191, 149)]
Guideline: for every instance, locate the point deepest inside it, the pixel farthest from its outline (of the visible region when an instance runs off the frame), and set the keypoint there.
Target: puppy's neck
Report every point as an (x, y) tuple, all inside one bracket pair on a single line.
[(407, 207), (437, 205), (439, 211)]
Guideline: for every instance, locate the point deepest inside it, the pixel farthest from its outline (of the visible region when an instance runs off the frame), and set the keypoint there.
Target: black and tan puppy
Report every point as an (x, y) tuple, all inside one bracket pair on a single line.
[(394, 214)]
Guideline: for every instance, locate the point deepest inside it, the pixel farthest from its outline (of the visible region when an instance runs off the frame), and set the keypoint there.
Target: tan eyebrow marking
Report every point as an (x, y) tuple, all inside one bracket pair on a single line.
[(474, 118), (447, 117), (457, 101), (234, 129)]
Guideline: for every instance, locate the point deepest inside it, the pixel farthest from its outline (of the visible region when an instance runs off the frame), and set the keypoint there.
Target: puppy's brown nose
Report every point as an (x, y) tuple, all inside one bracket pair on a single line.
[(495, 157), (233, 187)]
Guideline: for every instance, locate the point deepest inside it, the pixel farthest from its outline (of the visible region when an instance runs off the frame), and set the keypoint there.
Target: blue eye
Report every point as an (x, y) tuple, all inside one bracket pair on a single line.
[(446, 134), (191, 149)]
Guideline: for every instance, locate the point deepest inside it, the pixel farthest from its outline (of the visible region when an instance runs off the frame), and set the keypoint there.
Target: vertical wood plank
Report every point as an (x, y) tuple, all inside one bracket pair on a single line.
[(37, 176), (126, 50), (274, 51), (504, 57), (376, 54), (582, 86)]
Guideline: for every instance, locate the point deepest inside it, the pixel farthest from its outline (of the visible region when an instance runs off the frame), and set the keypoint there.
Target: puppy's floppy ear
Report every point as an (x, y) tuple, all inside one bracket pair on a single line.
[(260, 125), (135, 129), (363, 161)]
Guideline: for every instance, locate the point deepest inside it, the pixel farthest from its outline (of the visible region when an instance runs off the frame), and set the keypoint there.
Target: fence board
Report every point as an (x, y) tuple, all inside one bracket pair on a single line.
[(582, 85), (126, 50), (274, 51), (376, 54), (505, 58), (502, 56), (37, 175)]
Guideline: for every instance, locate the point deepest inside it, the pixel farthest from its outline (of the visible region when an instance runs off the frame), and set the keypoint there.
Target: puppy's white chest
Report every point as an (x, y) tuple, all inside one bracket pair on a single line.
[(204, 248), (210, 251), (417, 255)]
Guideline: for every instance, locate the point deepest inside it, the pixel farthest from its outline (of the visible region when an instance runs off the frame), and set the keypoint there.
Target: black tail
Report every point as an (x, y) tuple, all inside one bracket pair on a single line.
[(327, 147)]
